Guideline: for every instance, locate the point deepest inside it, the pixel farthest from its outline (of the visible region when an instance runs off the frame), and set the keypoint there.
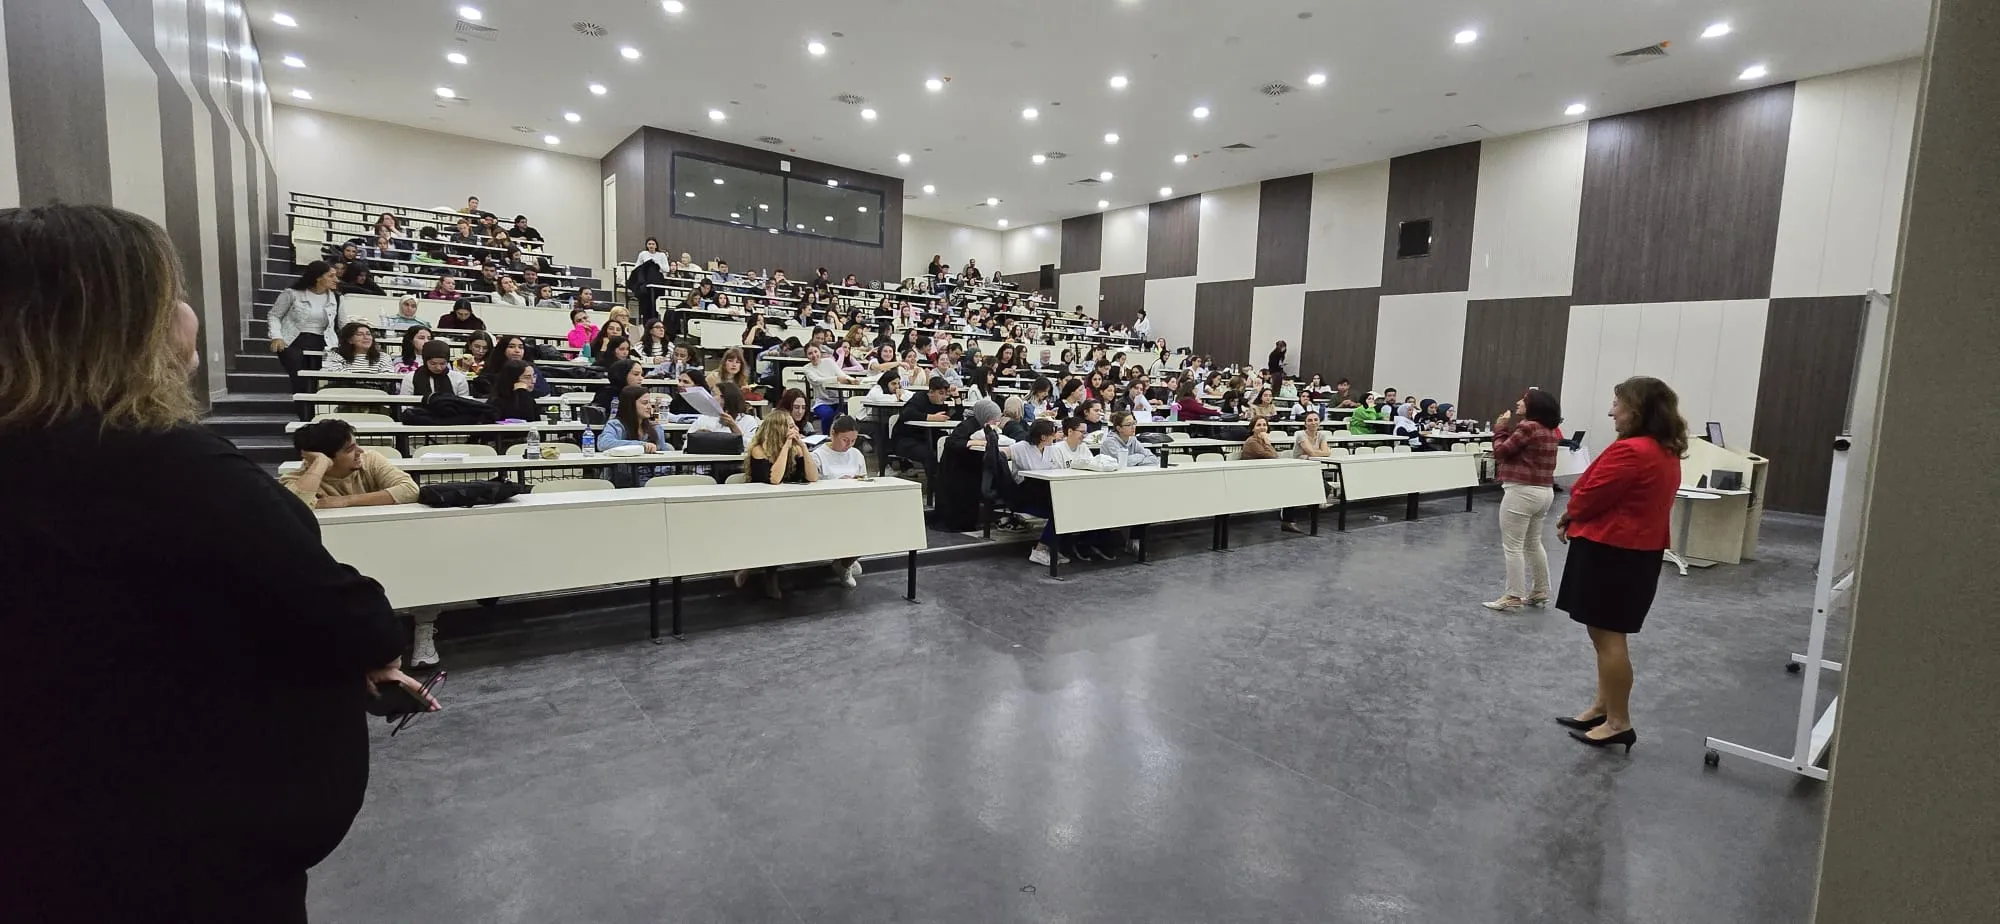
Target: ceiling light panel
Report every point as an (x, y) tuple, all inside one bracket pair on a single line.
[(815, 48), (455, 58), (284, 19), (1716, 30), (1031, 113), (1465, 37), (470, 14), (673, 6)]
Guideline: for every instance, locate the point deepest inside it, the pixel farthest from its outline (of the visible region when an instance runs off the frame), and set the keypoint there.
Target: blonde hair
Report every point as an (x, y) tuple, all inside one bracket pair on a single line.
[(87, 320), (772, 433)]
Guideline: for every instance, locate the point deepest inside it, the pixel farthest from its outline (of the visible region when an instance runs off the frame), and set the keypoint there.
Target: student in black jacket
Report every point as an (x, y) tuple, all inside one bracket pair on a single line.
[(513, 395), (914, 444)]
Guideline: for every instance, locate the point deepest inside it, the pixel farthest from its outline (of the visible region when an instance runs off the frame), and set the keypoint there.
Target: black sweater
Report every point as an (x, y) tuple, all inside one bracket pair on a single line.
[(187, 665)]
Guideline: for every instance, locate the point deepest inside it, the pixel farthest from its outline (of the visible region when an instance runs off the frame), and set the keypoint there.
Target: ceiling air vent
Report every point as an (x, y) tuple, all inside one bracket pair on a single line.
[(473, 30), (770, 139), (1637, 55), (523, 129), (1239, 146), (1055, 155), (1088, 181), (1276, 88), (586, 27), (850, 99)]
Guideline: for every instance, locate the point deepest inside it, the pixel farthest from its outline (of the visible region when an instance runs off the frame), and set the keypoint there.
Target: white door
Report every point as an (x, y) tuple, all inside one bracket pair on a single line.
[(610, 227)]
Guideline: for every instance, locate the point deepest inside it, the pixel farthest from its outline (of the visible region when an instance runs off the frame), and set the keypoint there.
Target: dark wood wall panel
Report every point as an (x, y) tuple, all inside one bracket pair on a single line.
[(1284, 225), (1511, 344), (1173, 236), (1028, 282), (1810, 346), (1119, 299), (627, 162), (1443, 186), (1338, 335), (749, 249), (1680, 203), (1222, 320), (1083, 243), (55, 67)]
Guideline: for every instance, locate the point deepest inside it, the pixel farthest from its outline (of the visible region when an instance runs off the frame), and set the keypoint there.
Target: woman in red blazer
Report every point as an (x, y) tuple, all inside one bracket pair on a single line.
[(1616, 528)]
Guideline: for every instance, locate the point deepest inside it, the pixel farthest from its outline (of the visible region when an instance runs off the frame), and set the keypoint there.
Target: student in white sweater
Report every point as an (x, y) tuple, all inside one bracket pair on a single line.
[(358, 352), (837, 457)]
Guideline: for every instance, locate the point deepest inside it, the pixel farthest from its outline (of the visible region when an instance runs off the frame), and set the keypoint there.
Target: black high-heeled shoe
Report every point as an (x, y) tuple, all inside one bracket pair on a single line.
[(1580, 724), (1628, 737)]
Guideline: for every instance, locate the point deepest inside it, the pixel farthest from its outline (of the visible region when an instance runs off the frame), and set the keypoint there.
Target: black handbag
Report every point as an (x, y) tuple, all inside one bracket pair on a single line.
[(469, 493)]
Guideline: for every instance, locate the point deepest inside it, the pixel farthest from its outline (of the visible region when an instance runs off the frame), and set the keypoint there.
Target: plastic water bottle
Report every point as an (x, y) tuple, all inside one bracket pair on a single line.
[(534, 450), (589, 443)]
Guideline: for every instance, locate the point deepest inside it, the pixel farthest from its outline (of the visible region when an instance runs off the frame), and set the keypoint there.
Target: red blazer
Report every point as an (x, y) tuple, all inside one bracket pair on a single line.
[(1626, 497)]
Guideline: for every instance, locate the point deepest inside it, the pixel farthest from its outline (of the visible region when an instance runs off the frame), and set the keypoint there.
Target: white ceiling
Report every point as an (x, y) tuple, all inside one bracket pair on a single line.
[(1396, 83)]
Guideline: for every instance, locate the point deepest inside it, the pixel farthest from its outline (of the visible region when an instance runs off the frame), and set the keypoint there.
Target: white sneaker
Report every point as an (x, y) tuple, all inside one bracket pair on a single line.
[(425, 651), (1039, 556), (844, 575), (854, 569)]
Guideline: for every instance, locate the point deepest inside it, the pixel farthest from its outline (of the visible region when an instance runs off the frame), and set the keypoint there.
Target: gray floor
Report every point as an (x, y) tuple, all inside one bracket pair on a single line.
[(1325, 730)]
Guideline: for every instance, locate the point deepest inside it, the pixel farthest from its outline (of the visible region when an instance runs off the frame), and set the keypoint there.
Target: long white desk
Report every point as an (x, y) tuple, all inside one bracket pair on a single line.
[(1084, 501), (1409, 474), (519, 465), (421, 556)]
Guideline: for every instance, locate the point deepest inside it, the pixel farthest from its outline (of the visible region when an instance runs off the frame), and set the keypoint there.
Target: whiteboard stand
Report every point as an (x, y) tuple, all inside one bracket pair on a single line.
[(1831, 588)]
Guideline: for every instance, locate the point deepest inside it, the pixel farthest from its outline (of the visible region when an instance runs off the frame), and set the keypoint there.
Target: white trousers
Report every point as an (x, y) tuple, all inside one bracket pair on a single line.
[(1523, 510)]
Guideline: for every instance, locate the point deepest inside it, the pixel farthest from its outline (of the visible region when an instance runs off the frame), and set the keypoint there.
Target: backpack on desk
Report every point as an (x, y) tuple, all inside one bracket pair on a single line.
[(439, 410), (469, 493)]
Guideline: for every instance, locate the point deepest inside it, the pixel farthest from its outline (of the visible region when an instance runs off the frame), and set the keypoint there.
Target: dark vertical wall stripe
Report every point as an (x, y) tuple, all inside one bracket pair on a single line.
[(1284, 225), (1173, 237), (1338, 335), (1511, 344), (1222, 320), (1680, 203), (1083, 243), (1120, 298), (55, 65), (1443, 186), (231, 254), (1809, 355)]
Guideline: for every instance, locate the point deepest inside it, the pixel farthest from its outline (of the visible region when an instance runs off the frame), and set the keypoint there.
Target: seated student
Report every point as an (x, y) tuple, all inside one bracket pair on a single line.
[(414, 340), (508, 292), (821, 371), (888, 385), (1258, 445), (884, 358), (1189, 407), (731, 369), (613, 329), (1311, 442), (488, 280), (435, 375), (336, 472), (358, 352), (622, 375), (446, 288), (615, 350), (653, 347), (405, 316), (734, 413), (912, 370), (1014, 419), (1031, 496), (1231, 404), (477, 348), (508, 347), (837, 457), (1092, 415), (1121, 444), (793, 402), (778, 455), (357, 280), (637, 423), (585, 299), (966, 470), (1264, 405), (1365, 415), (513, 390), (1140, 406), (1288, 388), (1313, 388), (1343, 393), (1428, 418), (1070, 452), (461, 317), (1069, 397), (914, 444)]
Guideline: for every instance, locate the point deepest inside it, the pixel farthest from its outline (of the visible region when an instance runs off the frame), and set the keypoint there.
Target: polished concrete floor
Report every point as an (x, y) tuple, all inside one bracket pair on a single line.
[(1314, 730)]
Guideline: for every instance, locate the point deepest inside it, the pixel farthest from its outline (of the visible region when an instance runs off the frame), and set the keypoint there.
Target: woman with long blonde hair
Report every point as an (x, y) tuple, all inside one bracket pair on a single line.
[(777, 455), (219, 748)]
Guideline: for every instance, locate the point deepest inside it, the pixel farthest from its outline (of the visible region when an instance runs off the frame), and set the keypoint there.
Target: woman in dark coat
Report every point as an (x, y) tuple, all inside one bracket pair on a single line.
[(965, 473)]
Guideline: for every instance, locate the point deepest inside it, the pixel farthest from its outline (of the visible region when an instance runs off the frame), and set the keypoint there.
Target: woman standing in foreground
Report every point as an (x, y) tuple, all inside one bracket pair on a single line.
[(189, 684), (1616, 528)]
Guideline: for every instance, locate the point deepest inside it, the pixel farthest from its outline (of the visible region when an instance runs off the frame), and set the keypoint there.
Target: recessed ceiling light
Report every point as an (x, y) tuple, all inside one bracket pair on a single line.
[(1180, 158), (455, 58), (1200, 112), (717, 115), (1118, 82), (861, 208), (990, 201), (829, 218), (1166, 191), (1315, 79), (1110, 137), (1030, 113), (933, 84), (675, 6), (800, 227), (833, 182), (598, 89), (294, 61), (689, 194), (1104, 177), (718, 181), (446, 93), (284, 19), (1575, 109), (735, 215), (630, 53), (551, 139), (1039, 158), (1002, 222), (1753, 72), (1465, 37), (300, 94), (1104, 203), (815, 48), (1716, 30), (572, 117), (470, 13), (868, 114), (929, 190)]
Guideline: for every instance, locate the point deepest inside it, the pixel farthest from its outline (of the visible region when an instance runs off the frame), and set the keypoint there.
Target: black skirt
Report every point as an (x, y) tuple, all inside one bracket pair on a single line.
[(1606, 587)]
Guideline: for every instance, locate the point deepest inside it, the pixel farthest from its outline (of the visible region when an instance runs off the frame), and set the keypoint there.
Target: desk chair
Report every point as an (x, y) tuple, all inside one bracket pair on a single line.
[(1209, 458), (386, 452), (346, 392), (356, 417), (469, 449), (738, 478), (564, 485), (668, 481)]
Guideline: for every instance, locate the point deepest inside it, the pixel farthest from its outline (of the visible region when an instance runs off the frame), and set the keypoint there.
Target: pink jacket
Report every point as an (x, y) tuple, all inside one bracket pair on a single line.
[(581, 335)]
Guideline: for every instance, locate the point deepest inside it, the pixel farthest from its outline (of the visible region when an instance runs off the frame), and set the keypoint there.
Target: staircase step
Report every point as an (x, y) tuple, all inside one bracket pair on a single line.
[(265, 450), (259, 360), (261, 383), (253, 405), (235, 426)]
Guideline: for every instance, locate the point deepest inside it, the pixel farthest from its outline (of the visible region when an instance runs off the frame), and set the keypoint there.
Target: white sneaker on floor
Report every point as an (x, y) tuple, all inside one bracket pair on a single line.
[(1040, 556), (844, 575), (854, 569), (424, 653)]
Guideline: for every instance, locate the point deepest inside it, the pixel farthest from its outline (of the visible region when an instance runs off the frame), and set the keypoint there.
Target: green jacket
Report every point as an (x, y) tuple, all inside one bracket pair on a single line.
[(1359, 421)]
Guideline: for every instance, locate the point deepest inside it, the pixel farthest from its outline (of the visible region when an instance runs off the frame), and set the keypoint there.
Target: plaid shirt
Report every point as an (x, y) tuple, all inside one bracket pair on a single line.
[(1526, 454)]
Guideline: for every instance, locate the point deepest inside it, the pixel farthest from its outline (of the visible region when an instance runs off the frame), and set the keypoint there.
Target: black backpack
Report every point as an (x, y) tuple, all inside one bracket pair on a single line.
[(469, 493), (439, 410)]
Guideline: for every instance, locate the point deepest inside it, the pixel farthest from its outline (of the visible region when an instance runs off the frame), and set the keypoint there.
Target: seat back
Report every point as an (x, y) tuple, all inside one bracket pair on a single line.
[(470, 449), (386, 452), (356, 417), (668, 481), (1210, 458), (346, 392), (793, 377), (564, 485), (738, 478)]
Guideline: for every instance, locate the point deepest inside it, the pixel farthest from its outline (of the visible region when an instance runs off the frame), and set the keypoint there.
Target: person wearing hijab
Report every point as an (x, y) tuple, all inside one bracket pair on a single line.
[(461, 317), (967, 468), (436, 376)]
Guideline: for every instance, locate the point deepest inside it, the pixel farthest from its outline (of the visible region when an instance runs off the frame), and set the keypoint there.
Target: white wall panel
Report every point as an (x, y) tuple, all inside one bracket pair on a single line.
[(1525, 217), (1124, 242), (1659, 335), (327, 154), (1074, 289), (1581, 352), (132, 122), (1349, 210), (1847, 155), (1277, 313), (1420, 344), (925, 237), (1695, 356), (1739, 362), (1617, 348), (1227, 243), (1024, 250), (1709, 352), (10, 178), (1170, 308)]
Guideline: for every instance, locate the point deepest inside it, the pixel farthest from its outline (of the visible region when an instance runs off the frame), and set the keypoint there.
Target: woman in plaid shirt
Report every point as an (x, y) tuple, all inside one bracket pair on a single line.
[(1525, 451)]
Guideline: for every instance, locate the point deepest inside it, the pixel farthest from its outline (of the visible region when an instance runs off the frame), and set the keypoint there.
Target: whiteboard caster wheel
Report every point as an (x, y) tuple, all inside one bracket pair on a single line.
[(1712, 758)]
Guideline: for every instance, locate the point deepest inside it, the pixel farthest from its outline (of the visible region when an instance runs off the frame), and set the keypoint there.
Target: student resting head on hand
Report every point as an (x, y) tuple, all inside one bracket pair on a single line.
[(336, 472)]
